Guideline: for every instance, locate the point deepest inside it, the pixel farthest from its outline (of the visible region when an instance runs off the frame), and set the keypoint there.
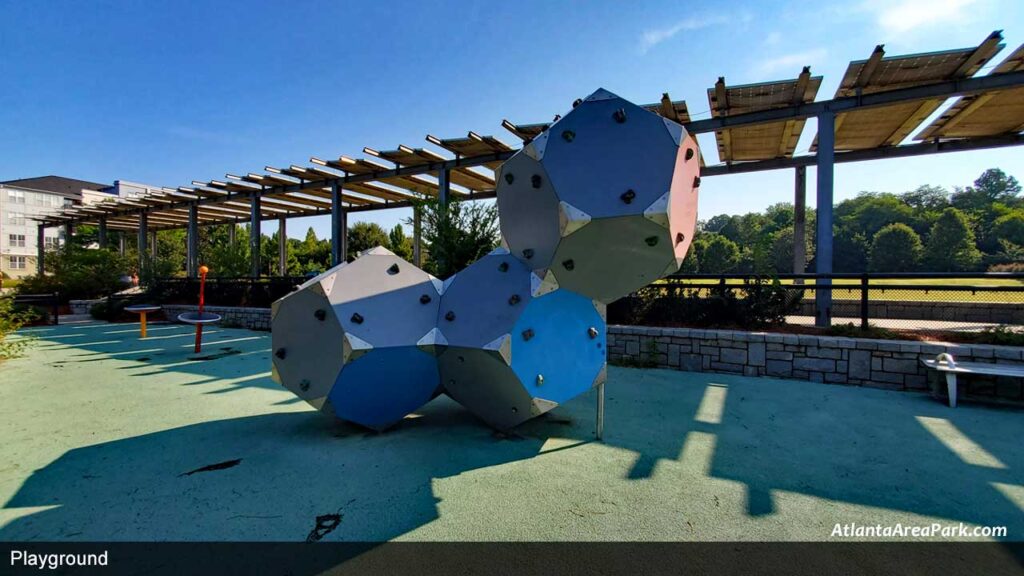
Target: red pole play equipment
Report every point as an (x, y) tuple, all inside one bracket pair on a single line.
[(199, 327)]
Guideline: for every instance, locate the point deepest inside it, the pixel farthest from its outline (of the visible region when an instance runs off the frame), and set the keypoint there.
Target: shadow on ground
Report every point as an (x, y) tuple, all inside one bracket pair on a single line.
[(669, 435)]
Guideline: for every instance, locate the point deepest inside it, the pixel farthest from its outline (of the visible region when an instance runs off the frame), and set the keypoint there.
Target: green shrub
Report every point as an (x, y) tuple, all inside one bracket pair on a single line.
[(78, 274), (1000, 336), (109, 310), (13, 317)]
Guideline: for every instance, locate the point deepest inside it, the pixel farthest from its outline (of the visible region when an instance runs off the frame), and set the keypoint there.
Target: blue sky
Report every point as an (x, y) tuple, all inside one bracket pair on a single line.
[(167, 93)]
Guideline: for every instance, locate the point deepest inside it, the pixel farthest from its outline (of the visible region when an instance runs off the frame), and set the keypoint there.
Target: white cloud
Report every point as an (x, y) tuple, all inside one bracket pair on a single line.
[(908, 15), (651, 38), (791, 63)]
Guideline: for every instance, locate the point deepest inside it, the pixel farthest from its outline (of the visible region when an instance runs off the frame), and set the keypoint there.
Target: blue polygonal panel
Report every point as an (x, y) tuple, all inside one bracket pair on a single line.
[(483, 301), (384, 385), (566, 350)]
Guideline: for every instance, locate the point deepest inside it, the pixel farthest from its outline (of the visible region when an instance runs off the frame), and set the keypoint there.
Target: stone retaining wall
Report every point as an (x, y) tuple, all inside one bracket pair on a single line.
[(888, 364), (983, 312), (232, 316), (83, 306)]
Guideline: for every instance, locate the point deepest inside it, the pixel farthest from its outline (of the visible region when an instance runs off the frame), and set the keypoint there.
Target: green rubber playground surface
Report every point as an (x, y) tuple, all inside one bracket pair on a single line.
[(109, 437)]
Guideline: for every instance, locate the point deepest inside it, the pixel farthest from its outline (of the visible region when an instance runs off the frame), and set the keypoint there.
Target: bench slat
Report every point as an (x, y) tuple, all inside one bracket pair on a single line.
[(977, 368)]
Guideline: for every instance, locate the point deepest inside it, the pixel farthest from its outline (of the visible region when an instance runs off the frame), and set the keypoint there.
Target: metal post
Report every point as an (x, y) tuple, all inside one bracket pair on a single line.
[(69, 231), (823, 259), (153, 245), (121, 243), (254, 235), (800, 220), (417, 227), (192, 242), (40, 248), (339, 226), (103, 233), (143, 237), (864, 301), (600, 411), (231, 233), (282, 246)]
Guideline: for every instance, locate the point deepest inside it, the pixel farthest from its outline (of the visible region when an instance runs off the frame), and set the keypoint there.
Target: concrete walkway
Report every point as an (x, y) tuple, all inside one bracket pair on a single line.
[(108, 437)]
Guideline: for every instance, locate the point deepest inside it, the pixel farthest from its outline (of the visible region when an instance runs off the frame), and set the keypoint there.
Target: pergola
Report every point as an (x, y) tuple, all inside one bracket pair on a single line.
[(880, 103)]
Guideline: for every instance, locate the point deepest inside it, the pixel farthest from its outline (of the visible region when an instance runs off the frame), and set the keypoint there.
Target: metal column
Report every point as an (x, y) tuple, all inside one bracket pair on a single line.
[(339, 226), (417, 228), (121, 242), (800, 220), (103, 233), (254, 235), (192, 242), (69, 231), (153, 245), (231, 233), (143, 238), (826, 159), (40, 248), (282, 246)]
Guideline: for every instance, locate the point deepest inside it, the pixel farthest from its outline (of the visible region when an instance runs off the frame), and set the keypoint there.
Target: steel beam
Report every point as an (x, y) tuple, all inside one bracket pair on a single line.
[(254, 237), (143, 238), (282, 246), (103, 232), (959, 87), (192, 241), (339, 226), (40, 247), (909, 150), (800, 220), (823, 258)]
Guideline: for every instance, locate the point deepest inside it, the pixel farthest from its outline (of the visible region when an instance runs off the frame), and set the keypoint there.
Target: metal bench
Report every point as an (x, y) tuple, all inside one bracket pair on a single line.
[(946, 363)]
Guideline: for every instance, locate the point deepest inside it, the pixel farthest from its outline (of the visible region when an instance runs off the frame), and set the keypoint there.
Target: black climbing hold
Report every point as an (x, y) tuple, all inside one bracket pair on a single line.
[(280, 353), (536, 180), (503, 267), (679, 238), (528, 333), (304, 384), (357, 319), (628, 196), (393, 269), (568, 264), (528, 253), (689, 153), (509, 178), (449, 316), (320, 314), (620, 115), (696, 181), (568, 135), (592, 332), (651, 240), (577, 102), (513, 300), (425, 299)]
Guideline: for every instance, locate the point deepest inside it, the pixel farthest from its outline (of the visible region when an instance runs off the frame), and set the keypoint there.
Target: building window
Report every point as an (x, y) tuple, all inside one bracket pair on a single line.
[(51, 242), (16, 240), (16, 196), (16, 218), (18, 263)]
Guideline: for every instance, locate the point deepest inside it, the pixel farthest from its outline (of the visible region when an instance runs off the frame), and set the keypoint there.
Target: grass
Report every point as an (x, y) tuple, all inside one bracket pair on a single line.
[(849, 289)]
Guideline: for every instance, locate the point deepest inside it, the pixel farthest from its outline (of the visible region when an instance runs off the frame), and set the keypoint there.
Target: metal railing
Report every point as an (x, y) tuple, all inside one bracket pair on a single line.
[(41, 300), (221, 291), (928, 302)]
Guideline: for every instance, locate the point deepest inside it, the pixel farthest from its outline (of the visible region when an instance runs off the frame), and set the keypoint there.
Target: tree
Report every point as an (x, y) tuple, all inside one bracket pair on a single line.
[(365, 235), (782, 251), (951, 244), (459, 236), (849, 251), (927, 198), (400, 243), (718, 254), (1010, 228), (895, 248), (992, 186)]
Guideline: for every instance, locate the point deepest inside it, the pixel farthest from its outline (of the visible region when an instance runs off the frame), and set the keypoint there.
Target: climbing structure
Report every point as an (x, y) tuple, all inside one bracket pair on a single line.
[(600, 204)]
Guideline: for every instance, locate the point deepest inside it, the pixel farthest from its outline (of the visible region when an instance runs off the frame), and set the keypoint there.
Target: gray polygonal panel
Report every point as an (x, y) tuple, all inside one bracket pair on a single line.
[(529, 210), (384, 300), (612, 257), (486, 386), (307, 344), (484, 300), (594, 160)]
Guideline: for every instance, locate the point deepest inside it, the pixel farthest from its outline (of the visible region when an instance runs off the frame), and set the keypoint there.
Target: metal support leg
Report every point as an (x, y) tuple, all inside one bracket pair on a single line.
[(951, 388), (600, 411)]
